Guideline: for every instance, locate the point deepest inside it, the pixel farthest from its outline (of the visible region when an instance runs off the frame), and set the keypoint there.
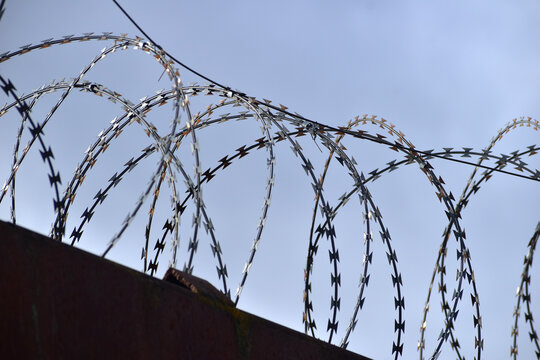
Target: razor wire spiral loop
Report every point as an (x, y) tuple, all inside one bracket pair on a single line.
[(271, 117), (440, 267)]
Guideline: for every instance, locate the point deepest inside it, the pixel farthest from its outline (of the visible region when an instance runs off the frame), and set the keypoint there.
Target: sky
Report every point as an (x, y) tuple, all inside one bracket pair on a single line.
[(445, 74)]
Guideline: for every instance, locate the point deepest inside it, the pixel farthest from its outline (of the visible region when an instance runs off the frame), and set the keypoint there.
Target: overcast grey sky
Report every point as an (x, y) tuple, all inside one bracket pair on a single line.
[(446, 74)]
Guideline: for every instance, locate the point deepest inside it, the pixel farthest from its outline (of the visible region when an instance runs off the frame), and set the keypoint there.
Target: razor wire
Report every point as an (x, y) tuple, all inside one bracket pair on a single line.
[(274, 121)]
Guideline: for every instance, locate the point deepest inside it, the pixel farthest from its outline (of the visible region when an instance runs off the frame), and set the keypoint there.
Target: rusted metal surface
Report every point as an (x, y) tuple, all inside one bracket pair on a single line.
[(198, 286), (59, 302)]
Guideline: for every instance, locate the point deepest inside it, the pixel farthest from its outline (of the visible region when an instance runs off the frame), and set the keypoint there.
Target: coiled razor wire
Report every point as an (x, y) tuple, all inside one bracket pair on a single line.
[(274, 121)]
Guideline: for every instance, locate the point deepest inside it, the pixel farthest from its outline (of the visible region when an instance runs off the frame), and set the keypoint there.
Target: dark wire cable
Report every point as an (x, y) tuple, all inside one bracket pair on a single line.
[(350, 132), (169, 55)]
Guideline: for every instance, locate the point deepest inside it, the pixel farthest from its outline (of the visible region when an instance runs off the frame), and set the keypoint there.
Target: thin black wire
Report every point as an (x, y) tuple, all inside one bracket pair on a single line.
[(428, 154), (169, 55), (356, 134)]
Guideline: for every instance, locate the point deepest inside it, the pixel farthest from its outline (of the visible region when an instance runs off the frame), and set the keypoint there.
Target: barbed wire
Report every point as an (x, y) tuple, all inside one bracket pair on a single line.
[(274, 121)]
